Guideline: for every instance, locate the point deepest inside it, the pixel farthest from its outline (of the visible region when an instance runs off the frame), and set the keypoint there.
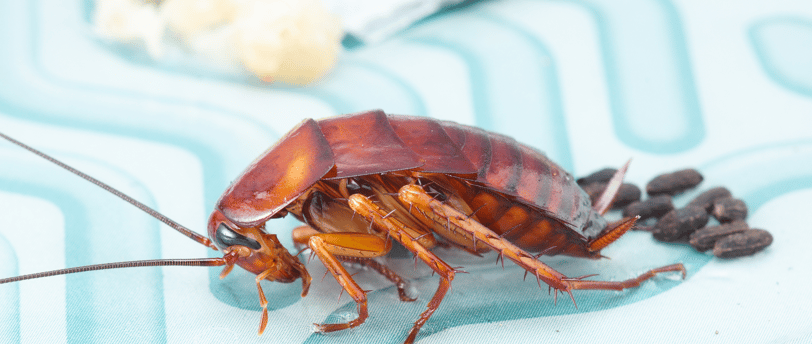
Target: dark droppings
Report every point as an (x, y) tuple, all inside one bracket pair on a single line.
[(731, 238), (627, 193), (594, 190), (680, 223), (601, 176), (706, 199), (704, 239), (729, 209), (742, 244), (674, 183), (654, 207)]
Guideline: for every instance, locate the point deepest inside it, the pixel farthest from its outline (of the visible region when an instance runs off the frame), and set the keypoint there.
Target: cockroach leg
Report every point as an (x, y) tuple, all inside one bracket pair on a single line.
[(263, 302), (579, 283), (301, 235), (477, 209), (510, 230), (329, 245), (318, 245), (402, 234), (441, 213), (386, 272)]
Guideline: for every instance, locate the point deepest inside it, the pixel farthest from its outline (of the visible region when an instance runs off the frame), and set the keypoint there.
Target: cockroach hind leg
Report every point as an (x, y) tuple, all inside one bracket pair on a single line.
[(580, 283)]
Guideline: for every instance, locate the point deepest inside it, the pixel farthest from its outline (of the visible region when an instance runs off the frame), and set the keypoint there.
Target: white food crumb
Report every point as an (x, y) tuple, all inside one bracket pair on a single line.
[(291, 41), (130, 21)]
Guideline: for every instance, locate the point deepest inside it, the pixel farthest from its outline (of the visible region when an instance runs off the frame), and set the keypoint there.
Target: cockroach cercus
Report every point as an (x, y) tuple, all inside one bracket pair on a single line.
[(362, 180)]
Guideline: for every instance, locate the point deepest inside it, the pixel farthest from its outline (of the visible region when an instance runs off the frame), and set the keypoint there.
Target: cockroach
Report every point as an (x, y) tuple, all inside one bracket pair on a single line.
[(360, 181)]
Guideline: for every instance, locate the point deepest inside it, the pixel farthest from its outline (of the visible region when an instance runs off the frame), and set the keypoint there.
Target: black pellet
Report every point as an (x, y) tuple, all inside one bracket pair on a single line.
[(601, 176), (729, 209), (674, 183), (655, 207), (627, 193), (594, 190), (680, 223), (742, 244), (704, 239), (706, 199)]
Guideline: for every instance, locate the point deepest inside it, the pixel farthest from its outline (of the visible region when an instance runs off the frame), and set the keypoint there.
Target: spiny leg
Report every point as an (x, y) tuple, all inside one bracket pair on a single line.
[(629, 283), (301, 235), (441, 213), (326, 246), (398, 231), (386, 272)]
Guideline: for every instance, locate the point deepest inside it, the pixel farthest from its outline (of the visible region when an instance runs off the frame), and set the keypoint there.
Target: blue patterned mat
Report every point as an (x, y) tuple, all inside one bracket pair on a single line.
[(724, 86)]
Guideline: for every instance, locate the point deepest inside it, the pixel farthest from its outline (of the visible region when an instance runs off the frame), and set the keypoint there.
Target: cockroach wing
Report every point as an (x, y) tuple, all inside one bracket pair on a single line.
[(436, 150), (280, 175), (365, 143)]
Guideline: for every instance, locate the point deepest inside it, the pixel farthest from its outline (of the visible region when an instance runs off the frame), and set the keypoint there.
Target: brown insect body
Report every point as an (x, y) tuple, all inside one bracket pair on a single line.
[(483, 170), (364, 180), (518, 195)]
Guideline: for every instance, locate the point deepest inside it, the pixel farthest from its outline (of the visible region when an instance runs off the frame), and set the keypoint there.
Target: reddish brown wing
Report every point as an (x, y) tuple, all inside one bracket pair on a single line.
[(278, 176), (365, 143), (437, 151), (372, 142)]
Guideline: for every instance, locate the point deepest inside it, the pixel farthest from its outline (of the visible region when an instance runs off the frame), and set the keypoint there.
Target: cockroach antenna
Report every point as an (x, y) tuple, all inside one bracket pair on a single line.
[(180, 228), (117, 265)]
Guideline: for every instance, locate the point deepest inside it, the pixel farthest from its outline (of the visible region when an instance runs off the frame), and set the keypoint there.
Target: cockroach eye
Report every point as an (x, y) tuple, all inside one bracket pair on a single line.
[(227, 237)]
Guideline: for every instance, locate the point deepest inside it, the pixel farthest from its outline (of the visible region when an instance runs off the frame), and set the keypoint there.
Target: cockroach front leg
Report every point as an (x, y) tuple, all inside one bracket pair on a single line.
[(329, 245), (301, 236), (448, 216), (398, 231)]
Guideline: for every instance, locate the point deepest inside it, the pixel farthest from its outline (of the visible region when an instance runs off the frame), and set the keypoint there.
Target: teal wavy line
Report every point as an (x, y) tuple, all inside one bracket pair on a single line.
[(563, 152), (482, 116), (135, 126), (212, 150), (210, 153), (776, 177), (66, 192), (332, 89), (787, 76), (695, 132), (9, 294)]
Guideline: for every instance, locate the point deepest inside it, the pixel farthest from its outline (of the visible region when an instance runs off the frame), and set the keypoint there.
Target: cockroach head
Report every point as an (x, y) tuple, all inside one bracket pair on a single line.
[(256, 251)]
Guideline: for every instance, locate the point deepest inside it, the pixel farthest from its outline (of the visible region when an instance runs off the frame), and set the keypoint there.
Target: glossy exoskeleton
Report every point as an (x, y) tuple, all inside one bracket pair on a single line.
[(360, 181)]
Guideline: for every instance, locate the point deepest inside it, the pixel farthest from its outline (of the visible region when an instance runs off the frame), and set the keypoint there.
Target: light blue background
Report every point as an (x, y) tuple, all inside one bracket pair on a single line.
[(725, 87)]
